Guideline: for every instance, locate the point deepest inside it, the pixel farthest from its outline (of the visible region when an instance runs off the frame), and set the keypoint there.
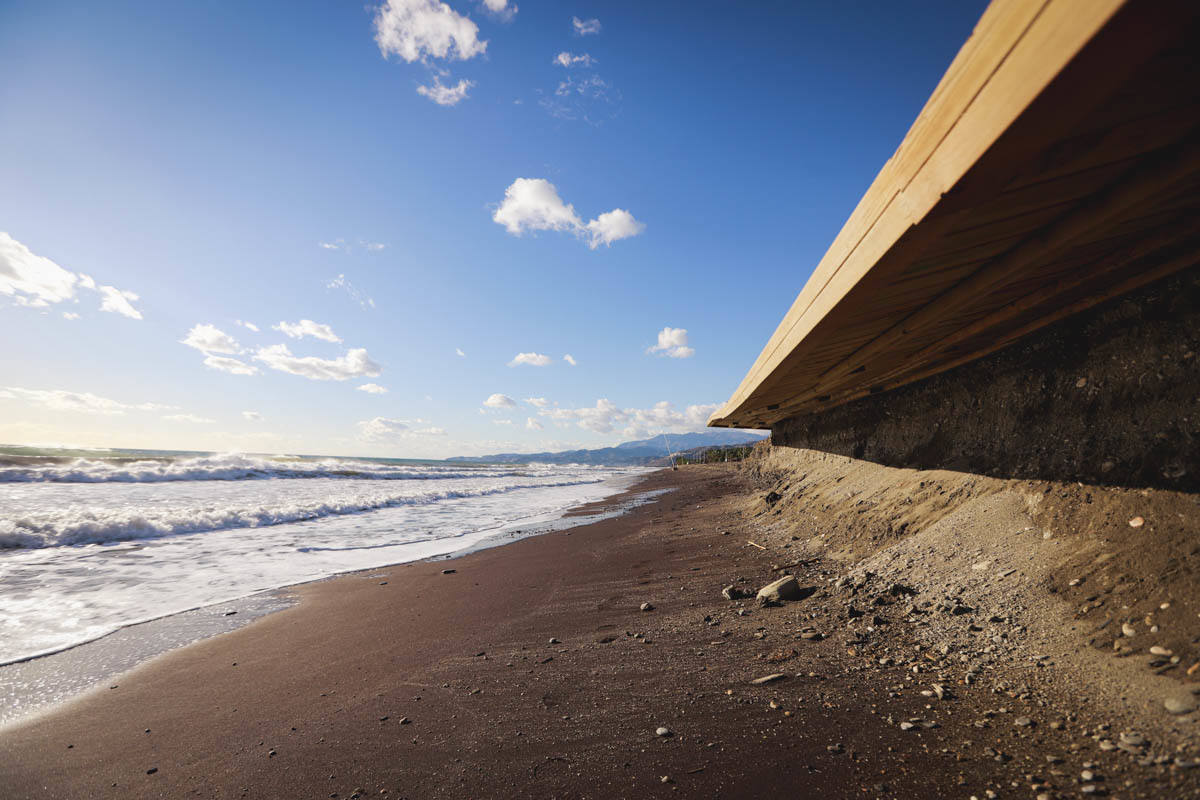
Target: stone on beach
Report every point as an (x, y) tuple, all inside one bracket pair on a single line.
[(786, 588)]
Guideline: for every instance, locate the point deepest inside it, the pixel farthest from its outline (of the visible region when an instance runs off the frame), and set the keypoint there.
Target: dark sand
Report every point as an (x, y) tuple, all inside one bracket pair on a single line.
[(408, 682)]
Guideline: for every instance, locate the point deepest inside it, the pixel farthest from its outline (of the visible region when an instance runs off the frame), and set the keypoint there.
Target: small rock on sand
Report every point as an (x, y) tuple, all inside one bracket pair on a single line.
[(664, 732), (646, 607), (449, 571), (1183, 702), (786, 588)]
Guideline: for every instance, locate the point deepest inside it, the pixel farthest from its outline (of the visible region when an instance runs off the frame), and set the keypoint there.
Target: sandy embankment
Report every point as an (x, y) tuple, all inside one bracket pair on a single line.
[(413, 683)]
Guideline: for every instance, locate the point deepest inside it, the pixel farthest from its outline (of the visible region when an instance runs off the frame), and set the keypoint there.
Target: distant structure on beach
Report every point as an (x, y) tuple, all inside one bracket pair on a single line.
[(1017, 292)]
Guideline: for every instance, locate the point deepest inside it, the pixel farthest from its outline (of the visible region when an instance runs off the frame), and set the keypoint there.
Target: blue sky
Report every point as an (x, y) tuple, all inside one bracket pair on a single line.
[(418, 180)]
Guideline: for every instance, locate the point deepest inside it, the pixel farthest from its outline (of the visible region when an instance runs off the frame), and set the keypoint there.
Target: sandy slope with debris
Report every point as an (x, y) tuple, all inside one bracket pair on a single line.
[(940, 649)]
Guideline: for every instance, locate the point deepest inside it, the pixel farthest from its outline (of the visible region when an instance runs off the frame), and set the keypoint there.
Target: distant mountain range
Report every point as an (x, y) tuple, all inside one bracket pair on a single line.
[(646, 451)]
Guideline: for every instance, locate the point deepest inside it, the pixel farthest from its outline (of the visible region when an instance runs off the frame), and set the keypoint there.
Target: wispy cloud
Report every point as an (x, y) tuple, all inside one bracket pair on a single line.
[(354, 364), (530, 359), (306, 327), (589, 98), (500, 401), (250, 326), (83, 402), (570, 359), (253, 416), (565, 59), (446, 95), (36, 281), (585, 27), (231, 365), (386, 429), (458, 352), (358, 296), (532, 424), (192, 418), (607, 417), (673, 343), (537, 402), (533, 204), (372, 388)]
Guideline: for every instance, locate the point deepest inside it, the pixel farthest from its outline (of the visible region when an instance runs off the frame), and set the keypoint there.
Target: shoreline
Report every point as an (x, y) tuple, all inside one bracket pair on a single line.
[(41, 682), (531, 670)]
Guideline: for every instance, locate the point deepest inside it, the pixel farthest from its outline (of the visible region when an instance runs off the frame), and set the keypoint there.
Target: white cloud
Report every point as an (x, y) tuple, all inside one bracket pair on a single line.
[(446, 95), (341, 282), (372, 388), (70, 315), (565, 59), (33, 280), (502, 422), (210, 339), (531, 359), (537, 402), (385, 429), (250, 326), (583, 27), (423, 29), (354, 364), (117, 301), (500, 401), (458, 352), (496, 6), (337, 244), (673, 343), (227, 364), (533, 204), (607, 417), (306, 327), (373, 247), (532, 424), (85, 402), (570, 359), (253, 416), (189, 418), (612, 226)]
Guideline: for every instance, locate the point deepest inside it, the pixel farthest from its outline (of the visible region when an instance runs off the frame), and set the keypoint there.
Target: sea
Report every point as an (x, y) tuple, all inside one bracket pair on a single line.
[(93, 541)]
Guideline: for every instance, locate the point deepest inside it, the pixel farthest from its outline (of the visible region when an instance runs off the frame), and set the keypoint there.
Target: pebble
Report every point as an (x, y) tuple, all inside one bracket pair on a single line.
[(646, 607), (1180, 703), (1022, 722), (449, 571), (664, 732), (1137, 522), (1160, 651), (554, 641), (1128, 630)]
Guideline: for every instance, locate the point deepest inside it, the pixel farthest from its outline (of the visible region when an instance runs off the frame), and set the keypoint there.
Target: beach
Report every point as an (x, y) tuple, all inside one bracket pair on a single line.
[(597, 661)]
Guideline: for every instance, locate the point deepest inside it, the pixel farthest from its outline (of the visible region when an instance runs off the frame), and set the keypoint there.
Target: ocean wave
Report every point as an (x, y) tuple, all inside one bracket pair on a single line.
[(231, 467), (94, 526)]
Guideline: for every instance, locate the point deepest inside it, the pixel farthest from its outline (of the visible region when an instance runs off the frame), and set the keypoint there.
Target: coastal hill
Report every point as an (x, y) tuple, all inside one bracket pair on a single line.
[(642, 452)]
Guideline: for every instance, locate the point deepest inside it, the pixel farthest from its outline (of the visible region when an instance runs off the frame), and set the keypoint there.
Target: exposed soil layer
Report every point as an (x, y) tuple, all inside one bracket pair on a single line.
[(531, 670), (1109, 396)]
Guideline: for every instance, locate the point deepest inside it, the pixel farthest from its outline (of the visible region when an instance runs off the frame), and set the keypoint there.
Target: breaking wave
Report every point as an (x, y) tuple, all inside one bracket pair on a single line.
[(232, 467), (90, 526)]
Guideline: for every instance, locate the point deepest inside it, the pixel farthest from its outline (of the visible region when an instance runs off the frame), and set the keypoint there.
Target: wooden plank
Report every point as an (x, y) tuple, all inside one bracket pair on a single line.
[(1004, 68)]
